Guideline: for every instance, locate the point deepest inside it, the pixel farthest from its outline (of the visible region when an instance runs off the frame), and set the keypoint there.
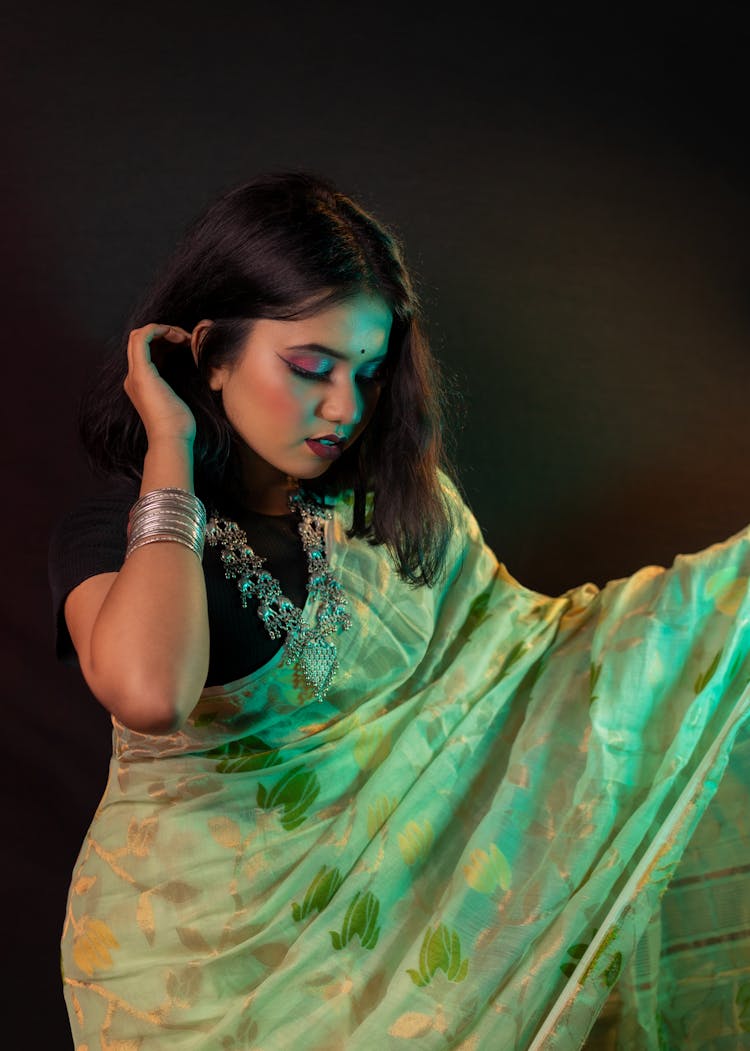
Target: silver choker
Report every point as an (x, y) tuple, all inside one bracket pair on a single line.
[(305, 645)]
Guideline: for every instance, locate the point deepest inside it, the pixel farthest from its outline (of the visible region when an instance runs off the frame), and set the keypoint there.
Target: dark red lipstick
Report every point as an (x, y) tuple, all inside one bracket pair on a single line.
[(327, 446)]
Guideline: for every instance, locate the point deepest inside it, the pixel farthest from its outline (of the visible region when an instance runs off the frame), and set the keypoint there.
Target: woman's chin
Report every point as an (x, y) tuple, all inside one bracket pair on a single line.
[(313, 469)]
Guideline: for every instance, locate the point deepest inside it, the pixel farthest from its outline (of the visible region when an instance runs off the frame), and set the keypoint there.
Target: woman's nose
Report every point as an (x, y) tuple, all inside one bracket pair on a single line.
[(343, 404)]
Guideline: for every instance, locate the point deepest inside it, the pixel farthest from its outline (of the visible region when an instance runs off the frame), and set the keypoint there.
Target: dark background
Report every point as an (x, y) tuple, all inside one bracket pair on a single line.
[(574, 203)]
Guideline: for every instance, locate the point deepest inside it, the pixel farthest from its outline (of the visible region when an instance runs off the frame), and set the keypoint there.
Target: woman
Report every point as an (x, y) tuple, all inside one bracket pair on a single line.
[(384, 795)]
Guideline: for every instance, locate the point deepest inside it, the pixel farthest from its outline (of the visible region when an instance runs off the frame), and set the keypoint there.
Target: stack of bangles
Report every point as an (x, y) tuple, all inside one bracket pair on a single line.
[(167, 514)]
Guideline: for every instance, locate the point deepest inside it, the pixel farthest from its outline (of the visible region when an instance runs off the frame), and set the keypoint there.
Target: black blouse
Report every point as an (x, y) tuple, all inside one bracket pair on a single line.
[(92, 538)]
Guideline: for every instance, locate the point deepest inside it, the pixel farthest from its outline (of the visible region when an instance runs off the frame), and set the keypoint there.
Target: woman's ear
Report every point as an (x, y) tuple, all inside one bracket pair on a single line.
[(196, 339)]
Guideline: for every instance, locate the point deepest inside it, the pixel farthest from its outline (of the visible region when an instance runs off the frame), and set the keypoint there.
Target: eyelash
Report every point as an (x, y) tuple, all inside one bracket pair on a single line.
[(323, 377)]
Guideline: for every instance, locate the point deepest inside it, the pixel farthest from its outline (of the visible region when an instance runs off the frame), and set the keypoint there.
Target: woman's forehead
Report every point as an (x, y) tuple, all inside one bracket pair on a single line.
[(355, 325)]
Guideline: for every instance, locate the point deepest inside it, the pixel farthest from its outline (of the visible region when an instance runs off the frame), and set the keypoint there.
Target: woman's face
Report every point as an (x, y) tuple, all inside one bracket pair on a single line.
[(297, 382)]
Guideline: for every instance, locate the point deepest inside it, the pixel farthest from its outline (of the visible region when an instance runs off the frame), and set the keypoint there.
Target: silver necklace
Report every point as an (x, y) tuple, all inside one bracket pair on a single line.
[(306, 645)]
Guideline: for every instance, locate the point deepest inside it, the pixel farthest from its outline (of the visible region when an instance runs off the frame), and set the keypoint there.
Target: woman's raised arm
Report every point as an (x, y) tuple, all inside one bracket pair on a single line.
[(142, 635)]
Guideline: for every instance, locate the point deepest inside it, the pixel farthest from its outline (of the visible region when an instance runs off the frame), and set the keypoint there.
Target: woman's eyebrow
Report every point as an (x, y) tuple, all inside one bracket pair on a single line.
[(318, 348)]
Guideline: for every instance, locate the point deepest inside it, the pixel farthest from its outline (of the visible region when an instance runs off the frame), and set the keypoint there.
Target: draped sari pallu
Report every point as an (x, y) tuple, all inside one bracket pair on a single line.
[(466, 846)]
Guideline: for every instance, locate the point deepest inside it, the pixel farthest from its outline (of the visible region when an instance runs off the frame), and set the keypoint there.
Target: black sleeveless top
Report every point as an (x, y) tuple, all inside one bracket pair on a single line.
[(92, 538)]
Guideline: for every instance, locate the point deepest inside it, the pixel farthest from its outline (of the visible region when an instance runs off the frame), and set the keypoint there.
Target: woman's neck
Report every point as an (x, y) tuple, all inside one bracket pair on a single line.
[(260, 488)]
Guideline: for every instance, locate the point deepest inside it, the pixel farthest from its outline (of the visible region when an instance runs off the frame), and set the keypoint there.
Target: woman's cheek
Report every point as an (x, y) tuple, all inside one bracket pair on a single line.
[(277, 399)]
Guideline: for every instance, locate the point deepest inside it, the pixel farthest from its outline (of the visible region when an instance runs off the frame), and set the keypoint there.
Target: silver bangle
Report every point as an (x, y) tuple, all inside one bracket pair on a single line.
[(167, 514)]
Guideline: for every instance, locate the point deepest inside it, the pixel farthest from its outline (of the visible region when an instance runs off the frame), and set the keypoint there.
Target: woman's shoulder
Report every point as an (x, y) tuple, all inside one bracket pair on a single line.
[(104, 509)]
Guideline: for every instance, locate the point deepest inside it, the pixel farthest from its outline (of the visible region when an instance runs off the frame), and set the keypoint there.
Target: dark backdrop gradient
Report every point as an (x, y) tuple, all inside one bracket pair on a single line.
[(574, 202)]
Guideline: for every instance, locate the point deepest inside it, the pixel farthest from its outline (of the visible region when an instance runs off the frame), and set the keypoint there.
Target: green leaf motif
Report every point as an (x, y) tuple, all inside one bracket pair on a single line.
[(609, 937), (243, 746), (705, 677), (247, 763), (295, 792), (319, 893), (415, 841), (477, 614), (378, 813), (441, 951), (609, 976), (575, 952), (512, 658), (595, 671), (239, 757), (361, 919), (371, 747), (486, 872)]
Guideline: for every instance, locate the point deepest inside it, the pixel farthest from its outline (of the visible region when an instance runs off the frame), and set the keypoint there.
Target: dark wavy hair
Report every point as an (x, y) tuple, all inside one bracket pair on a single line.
[(269, 249)]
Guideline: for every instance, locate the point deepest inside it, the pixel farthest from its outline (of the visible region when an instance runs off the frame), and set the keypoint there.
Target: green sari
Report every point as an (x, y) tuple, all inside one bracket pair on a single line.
[(510, 809)]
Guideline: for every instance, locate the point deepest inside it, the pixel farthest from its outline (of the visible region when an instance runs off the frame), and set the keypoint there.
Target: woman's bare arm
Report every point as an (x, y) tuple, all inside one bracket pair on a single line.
[(141, 635)]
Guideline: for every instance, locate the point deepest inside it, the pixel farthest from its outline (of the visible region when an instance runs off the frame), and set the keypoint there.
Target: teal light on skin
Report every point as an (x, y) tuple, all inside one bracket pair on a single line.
[(297, 380)]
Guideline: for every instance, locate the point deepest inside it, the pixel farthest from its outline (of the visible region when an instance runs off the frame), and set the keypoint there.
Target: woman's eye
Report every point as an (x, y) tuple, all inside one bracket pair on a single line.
[(306, 373), (372, 377), (325, 374)]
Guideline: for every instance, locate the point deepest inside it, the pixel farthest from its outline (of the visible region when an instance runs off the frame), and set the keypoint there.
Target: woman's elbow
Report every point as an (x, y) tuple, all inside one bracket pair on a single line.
[(151, 713)]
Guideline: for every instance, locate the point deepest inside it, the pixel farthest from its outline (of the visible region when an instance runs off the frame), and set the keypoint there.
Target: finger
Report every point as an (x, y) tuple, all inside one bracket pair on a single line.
[(141, 338), (151, 332), (181, 331), (157, 331), (139, 349), (167, 333), (131, 338), (175, 334)]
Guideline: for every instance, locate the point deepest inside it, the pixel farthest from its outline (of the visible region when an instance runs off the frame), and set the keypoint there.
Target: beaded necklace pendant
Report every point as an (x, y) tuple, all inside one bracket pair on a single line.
[(309, 646)]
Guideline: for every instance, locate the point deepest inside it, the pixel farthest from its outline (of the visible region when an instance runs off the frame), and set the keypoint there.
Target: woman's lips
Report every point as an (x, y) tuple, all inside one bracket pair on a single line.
[(323, 450)]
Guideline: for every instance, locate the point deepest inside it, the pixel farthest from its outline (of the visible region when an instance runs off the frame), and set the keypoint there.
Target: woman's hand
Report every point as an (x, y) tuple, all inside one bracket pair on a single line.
[(164, 413)]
